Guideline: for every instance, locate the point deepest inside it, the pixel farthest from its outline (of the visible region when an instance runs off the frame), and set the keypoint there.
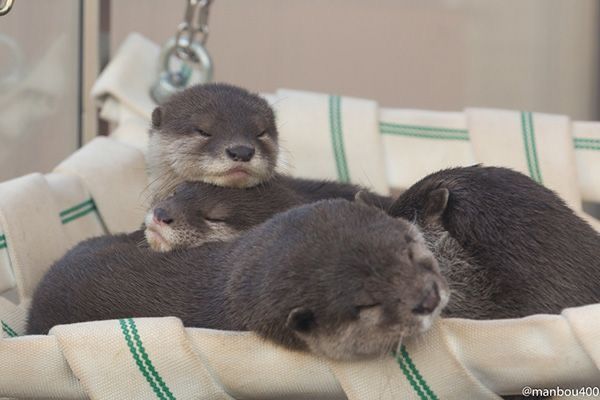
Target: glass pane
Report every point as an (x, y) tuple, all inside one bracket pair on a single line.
[(39, 85)]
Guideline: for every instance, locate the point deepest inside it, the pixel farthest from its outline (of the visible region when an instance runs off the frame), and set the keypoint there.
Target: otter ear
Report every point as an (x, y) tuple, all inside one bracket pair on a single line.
[(436, 204), (362, 197), (301, 320), (157, 116)]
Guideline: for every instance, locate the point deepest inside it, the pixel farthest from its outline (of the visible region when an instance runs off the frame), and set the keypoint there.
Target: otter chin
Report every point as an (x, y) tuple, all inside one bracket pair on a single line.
[(156, 236), (236, 177)]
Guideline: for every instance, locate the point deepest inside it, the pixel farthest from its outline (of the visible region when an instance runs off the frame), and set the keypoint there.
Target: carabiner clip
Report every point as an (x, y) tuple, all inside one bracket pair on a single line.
[(170, 82)]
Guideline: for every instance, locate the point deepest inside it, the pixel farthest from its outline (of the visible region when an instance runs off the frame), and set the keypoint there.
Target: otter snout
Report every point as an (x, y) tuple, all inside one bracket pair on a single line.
[(162, 216), (240, 153), (430, 301)]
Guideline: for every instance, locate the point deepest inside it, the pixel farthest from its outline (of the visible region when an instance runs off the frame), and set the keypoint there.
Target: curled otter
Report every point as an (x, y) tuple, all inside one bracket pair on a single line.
[(508, 246), (349, 292)]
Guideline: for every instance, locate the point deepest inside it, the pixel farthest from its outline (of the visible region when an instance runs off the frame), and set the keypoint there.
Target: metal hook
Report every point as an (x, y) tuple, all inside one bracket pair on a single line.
[(169, 81), (6, 7)]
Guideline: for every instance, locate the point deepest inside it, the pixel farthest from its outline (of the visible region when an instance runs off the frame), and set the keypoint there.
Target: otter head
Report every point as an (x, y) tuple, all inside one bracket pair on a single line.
[(214, 133), (198, 212), (370, 281)]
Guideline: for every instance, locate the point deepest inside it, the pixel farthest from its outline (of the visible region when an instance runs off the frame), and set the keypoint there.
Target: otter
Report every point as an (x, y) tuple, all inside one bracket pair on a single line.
[(226, 136), (350, 292), (214, 133), (508, 246), (198, 212)]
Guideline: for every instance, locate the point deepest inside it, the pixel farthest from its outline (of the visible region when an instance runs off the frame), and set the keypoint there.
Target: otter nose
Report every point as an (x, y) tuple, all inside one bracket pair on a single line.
[(161, 216), (240, 153), (430, 301)]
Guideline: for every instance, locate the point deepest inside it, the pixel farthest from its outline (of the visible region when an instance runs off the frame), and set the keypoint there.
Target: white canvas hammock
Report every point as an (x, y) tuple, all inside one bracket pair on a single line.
[(100, 189)]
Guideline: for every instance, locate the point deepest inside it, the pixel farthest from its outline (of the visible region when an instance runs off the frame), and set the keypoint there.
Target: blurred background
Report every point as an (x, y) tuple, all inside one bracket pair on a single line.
[(537, 55)]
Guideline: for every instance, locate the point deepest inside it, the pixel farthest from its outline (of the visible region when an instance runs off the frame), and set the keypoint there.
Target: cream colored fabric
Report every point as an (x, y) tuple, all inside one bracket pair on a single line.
[(457, 359), (330, 137), (30, 219), (66, 215), (538, 145), (115, 175), (417, 143), (129, 76), (586, 136)]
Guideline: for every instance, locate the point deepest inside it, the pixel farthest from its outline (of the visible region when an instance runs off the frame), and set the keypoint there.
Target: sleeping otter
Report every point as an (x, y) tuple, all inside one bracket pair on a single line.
[(198, 212), (335, 278), (508, 246), (226, 136)]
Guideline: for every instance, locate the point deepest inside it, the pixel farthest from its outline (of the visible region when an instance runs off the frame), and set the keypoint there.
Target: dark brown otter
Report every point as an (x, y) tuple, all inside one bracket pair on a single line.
[(214, 133), (226, 136), (508, 246), (198, 212), (335, 278)]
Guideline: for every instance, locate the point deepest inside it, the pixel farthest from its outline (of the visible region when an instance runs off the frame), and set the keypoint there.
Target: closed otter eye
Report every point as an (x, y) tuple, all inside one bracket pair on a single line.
[(263, 133), (362, 307), (202, 132), (215, 220)]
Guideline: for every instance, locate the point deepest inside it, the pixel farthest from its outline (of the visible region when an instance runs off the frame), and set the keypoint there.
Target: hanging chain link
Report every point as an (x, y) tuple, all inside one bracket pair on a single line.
[(187, 47), (193, 28)]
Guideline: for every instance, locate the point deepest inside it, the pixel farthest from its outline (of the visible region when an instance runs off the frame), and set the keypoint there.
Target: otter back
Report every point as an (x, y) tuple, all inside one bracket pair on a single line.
[(508, 246)]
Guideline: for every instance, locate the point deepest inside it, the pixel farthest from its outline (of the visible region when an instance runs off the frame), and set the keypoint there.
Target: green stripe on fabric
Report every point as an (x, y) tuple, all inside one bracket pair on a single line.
[(536, 163), (337, 137), (136, 357), (530, 148), (587, 143), (410, 378), (77, 207), (424, 132), (416, 373), (77, 211), (2, 242), (9, 331), (146, 359), (78, 215), (390, 125)]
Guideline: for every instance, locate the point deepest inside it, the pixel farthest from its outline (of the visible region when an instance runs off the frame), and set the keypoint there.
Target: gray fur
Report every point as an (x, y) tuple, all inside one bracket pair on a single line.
[(335, 278), (193, 132), (201, 212), (508, 246), (178, 151)]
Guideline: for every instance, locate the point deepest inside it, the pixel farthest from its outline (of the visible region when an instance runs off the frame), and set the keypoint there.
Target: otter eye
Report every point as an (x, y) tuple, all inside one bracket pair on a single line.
[(362, 307), (202, 132), (215, 220), (263, 133)]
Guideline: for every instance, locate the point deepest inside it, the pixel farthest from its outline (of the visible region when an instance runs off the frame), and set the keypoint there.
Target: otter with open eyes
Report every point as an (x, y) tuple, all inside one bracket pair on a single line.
[(350, 292), (226, 136)]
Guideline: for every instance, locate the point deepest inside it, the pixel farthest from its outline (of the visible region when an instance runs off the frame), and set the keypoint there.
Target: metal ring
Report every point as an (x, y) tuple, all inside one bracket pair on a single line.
[(196, 56), (6, 8)]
